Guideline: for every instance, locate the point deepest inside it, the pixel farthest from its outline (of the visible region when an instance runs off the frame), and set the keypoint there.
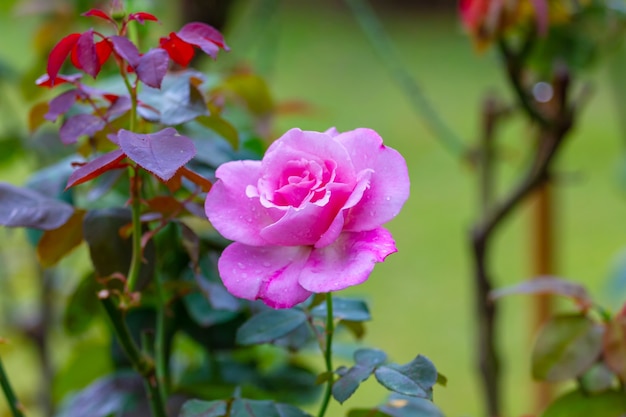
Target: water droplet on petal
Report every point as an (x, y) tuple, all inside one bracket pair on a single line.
[(388, 198), (266, 264), (241, 266)]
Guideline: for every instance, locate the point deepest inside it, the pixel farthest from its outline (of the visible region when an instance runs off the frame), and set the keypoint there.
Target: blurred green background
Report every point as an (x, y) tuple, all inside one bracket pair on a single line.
[(421, 297)]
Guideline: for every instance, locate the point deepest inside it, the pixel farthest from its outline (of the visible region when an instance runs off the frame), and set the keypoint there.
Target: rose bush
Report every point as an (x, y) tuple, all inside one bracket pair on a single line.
[(307, 218)]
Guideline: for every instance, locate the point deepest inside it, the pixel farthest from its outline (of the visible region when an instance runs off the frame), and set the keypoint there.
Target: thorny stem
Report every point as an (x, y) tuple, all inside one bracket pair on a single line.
[(384, 48), (328, 354), (9, 394)]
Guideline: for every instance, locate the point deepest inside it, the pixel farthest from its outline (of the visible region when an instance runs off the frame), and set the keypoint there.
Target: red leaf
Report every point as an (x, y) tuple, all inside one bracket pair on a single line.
[(206, 37), (196, 179), (99, 13), (141, 17), (161, 153), (78, 125), (59, 53), (61, 104), (45, 81), (153, 67), (97, 167), (179, 51), (125, 49), (103, 50)]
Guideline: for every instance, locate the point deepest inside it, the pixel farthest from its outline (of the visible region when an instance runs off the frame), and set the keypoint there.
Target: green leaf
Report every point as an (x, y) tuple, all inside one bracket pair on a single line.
[(197, 408), (222, 127), (253, 408), (597, 379), (269, 326), (345, 309), (415, 379), (177, 101), (577, 404), (366, 361), (82, 306), (566, 347)]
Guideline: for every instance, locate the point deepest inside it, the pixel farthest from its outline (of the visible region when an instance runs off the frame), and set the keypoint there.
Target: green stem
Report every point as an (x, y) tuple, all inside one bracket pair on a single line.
[(328, 354), (142, 362), (137, 255), (384, 48), (159, 345), (14, 403)]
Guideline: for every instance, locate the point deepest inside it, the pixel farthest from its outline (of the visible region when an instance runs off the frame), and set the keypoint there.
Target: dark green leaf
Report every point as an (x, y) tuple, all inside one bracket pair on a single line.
[(197, 408), (577, 404), (366, 361), (415, 379), (566, 347), (366, 412), (253, 408), (110, 252), (203, 313), (269, 326), (345, 309), (403, 406), (82, 306)]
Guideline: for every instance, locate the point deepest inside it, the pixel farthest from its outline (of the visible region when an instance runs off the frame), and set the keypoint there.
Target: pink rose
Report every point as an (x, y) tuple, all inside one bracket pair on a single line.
[(307, 218)]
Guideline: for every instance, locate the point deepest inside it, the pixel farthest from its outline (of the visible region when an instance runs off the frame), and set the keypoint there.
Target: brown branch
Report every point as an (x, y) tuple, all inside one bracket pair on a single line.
[(553, 130)]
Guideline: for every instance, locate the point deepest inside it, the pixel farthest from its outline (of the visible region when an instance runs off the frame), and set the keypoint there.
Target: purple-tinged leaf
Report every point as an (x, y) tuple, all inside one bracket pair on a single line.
[(206, 37), (548, 285), (78, 125), (125, 49), (21, 207), (86, 56), (58, 55), (141, 17), (121, 105), (61, 104), (96, 167), (152, 67), (161, 153)]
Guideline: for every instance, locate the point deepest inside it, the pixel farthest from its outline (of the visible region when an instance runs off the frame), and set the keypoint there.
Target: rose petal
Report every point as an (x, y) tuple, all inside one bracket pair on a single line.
[(389, 183), (268, 273), (235, 215), (296, 144), (346, 262), (306, 225)]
